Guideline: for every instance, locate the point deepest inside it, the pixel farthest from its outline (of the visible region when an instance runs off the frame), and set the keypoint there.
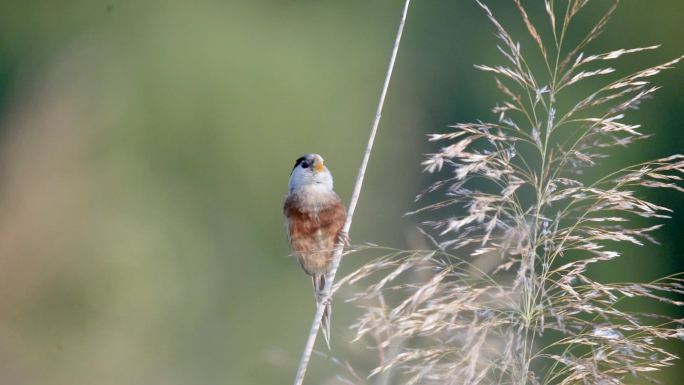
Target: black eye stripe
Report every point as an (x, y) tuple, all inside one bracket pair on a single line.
[(302, 160), (298, 161)]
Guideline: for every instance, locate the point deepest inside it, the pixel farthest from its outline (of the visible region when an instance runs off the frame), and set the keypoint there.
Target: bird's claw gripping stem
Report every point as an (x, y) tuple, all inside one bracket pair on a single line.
[(344, 238)]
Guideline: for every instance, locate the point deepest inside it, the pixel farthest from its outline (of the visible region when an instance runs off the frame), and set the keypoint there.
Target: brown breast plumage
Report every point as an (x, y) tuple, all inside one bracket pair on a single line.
[(314, 230)]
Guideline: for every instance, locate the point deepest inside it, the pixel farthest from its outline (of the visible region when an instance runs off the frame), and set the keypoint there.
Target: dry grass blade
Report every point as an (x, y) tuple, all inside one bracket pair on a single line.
[(593, 34), (531, 28)]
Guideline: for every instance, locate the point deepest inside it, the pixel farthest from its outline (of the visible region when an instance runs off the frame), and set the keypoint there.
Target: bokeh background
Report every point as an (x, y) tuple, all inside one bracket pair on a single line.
[(145, 148)]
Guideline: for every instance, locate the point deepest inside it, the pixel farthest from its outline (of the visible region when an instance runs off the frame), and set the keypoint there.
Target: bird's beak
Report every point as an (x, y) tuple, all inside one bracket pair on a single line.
[(318, 164)]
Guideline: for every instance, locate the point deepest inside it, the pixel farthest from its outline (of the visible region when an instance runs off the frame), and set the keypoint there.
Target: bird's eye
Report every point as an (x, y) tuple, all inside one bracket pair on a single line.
[(305, 164)]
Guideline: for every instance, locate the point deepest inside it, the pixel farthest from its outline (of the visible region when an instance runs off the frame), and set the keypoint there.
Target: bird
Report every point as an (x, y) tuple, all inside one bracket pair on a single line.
[(315, 217)]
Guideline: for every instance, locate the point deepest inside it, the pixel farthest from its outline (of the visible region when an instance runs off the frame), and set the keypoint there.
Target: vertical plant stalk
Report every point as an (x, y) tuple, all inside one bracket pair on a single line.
[(315, 326)]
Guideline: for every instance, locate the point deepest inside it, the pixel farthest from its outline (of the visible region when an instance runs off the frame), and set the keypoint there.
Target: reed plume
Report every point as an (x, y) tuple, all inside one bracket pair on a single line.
[(517, 221)]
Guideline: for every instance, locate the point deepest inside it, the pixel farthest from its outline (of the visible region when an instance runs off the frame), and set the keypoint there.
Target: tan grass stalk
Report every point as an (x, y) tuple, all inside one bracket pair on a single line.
[(315, 326)]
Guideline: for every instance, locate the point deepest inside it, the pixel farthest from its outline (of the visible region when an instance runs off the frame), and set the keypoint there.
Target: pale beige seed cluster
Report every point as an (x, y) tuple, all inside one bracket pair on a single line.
[(506, 297)]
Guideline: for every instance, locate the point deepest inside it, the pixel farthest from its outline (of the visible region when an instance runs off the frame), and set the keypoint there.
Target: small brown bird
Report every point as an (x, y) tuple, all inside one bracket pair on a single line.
[(315, 217)]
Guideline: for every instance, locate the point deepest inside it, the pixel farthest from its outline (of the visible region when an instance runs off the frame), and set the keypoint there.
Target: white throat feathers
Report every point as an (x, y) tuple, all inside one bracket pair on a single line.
[(312, 184)]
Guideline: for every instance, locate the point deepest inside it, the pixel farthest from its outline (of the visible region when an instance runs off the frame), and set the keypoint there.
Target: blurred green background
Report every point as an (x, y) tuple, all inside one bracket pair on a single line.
[(145, 150)]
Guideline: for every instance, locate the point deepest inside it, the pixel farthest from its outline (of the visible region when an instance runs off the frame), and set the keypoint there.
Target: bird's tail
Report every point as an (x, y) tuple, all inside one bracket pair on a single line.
[(319, 286)]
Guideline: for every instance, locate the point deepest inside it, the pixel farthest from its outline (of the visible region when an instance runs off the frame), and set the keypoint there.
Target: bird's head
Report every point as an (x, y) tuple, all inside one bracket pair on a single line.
[(310, 171)]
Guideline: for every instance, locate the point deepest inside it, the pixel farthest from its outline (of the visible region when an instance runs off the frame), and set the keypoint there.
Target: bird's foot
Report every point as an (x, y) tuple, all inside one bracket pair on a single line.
[(344, 238), (321, 298)]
